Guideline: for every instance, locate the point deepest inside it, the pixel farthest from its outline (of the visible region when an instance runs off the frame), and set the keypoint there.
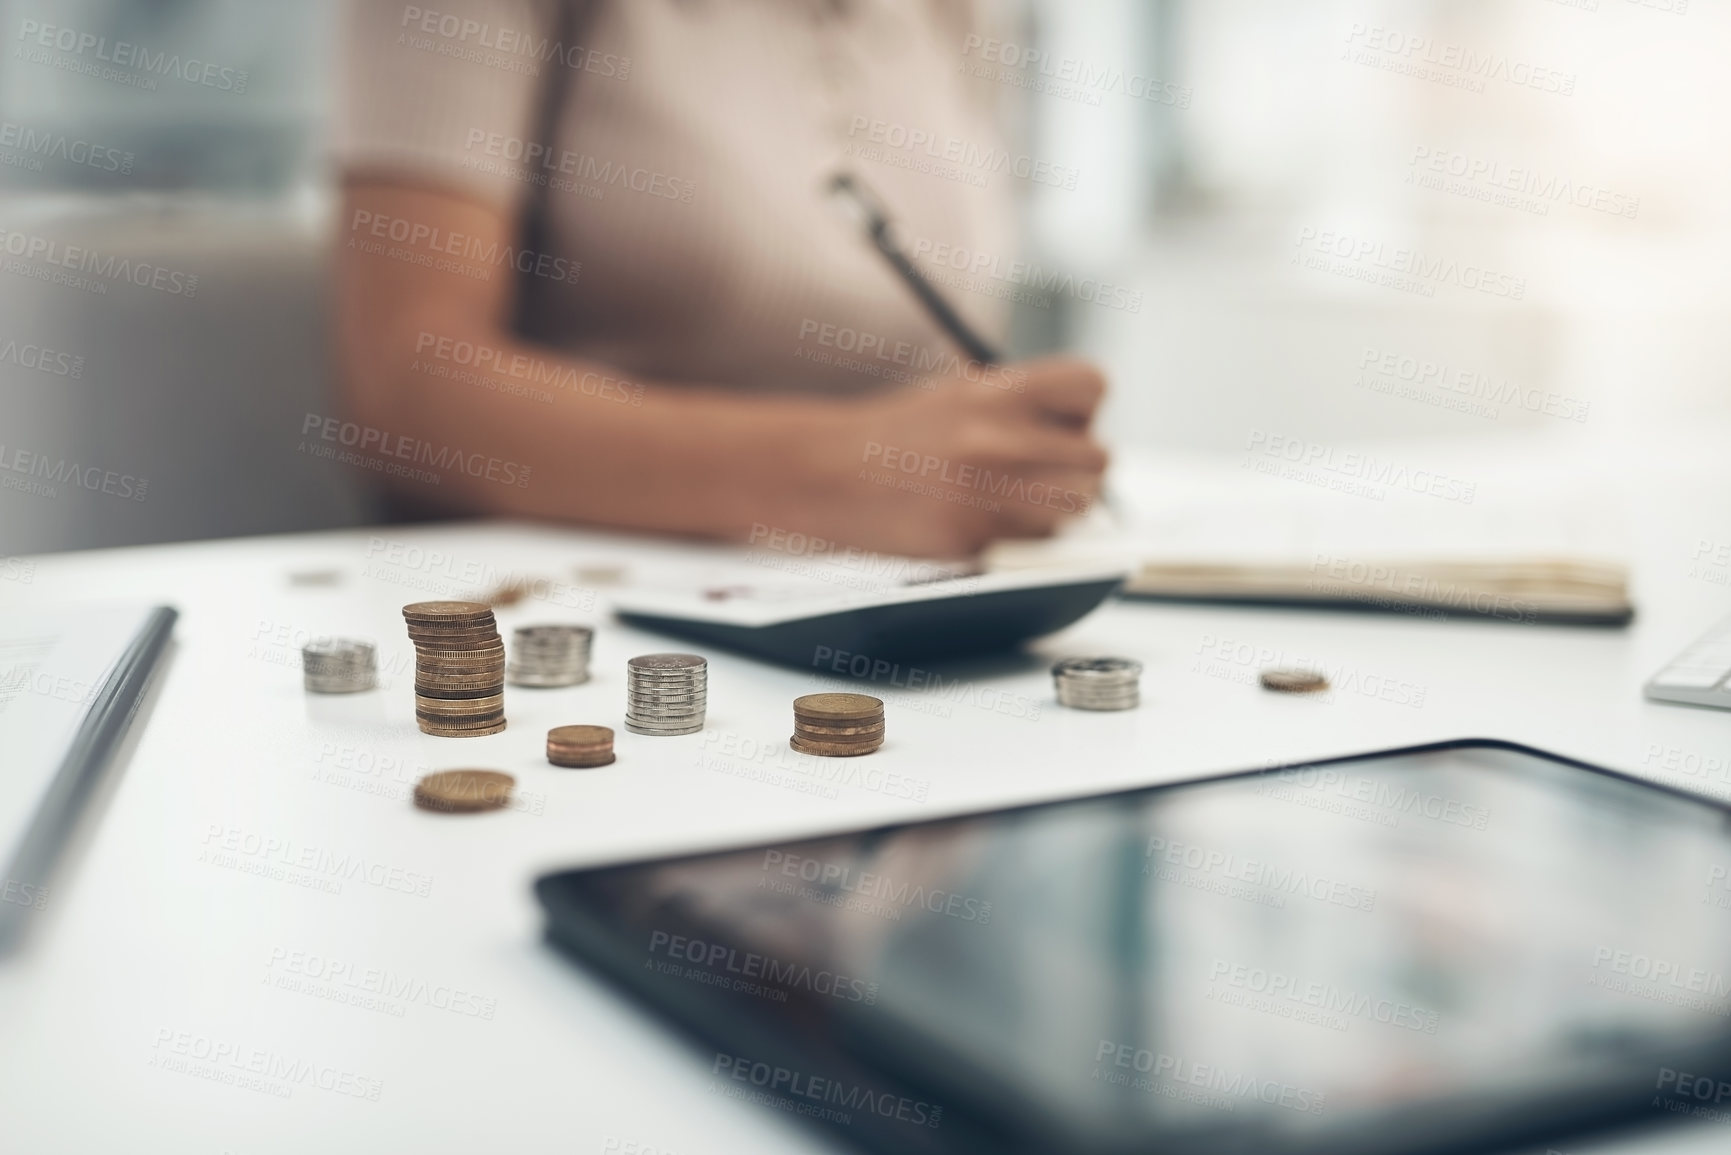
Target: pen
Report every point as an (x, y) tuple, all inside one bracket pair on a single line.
[(877, 223), (878, 226)]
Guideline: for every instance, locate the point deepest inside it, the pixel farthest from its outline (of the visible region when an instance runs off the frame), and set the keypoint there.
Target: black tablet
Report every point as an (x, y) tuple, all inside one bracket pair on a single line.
[(1465, 947)]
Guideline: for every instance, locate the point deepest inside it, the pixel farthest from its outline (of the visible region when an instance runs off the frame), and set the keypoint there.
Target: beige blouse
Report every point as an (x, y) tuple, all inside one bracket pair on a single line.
[(668, 160)]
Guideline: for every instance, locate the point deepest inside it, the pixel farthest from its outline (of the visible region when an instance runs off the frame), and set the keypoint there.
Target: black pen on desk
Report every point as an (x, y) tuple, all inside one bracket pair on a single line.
[(878, 226)]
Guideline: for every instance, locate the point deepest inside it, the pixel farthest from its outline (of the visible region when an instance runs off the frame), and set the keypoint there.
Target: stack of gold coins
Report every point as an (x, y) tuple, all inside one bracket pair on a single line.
[(338, 666), (459, 669), (549, 655), (837, 725), (464, 791), (1098, 683), (580, 746), (666, 694)]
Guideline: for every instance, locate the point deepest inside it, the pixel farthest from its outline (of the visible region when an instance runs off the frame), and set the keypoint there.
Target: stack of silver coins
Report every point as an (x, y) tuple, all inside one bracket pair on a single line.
[(339, 666), (549, 655), (666, 694), (1098, 683)]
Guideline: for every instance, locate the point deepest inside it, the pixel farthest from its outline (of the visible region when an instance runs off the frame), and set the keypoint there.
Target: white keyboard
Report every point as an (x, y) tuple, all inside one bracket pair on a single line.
[(1698, 676)]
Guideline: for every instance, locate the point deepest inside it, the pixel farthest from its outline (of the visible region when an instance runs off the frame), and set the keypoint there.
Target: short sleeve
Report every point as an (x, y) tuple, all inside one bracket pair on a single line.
[(438, 96)]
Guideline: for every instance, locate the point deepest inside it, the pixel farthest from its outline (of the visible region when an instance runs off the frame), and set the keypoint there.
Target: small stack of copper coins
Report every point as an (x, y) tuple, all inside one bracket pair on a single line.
[(580, 747), (837, 725), (459, 668)]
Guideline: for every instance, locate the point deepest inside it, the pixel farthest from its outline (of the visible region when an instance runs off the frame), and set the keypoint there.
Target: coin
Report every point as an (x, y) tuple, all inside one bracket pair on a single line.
[(837, 725), (837, 707), (459, 668), (464, 791), (1098, 683), (1293, 681), (831, 749), (666, 694), (550, 655), (580, 747), (338, 666), (669, 662)]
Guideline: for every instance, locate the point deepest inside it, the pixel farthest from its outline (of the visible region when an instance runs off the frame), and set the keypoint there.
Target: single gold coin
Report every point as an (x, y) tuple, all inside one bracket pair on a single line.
[(464, 791), (1294, 681), (580, 737), (838, 707)]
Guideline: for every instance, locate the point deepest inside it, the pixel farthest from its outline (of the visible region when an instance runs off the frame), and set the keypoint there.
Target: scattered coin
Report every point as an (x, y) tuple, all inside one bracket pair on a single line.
[(459, 668), (837, 725), (549, 655), (666, 694), (316, 577), (580, 747), (464, 791), (339, 666), (1294, 681), (1098, 683)]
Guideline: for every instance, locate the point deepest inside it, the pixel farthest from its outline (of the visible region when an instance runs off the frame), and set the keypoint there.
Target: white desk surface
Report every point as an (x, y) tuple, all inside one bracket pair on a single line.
[(152, 942)]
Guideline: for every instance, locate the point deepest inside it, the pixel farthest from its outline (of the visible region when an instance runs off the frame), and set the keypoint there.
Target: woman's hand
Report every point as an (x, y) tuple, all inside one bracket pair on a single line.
[(944, 468)]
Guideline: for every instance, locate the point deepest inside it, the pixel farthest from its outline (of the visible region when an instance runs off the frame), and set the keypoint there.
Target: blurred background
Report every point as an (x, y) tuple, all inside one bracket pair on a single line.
[(1348, 222)]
